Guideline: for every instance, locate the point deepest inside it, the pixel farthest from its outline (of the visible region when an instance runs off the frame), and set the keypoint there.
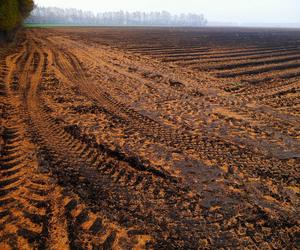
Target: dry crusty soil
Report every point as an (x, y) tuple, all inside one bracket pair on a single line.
[(150, 138)]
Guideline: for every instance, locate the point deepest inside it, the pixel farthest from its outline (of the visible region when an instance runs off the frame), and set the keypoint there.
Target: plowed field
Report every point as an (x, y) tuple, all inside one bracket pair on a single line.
[(150, 138)]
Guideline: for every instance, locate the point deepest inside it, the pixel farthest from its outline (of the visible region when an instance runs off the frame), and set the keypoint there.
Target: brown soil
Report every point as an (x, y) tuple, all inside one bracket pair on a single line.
[(150, 139)]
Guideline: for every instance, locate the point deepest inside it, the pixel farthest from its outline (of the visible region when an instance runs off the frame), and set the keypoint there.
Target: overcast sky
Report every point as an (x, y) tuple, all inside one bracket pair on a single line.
[(238, 11)]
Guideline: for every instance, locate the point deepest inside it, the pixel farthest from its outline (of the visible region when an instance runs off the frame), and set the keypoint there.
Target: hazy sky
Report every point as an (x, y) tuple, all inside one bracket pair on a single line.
[(239, 11)]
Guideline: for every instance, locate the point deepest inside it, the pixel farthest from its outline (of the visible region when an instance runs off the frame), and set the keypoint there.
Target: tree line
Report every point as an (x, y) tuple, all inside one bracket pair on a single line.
[(59, 16), (12, 14)]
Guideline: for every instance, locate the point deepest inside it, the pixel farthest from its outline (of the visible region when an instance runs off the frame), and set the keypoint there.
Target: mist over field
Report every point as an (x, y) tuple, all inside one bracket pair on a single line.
[(217, 12), (59, 16)]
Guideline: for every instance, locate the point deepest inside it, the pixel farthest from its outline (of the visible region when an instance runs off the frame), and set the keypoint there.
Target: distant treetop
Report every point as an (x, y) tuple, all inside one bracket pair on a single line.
[(53, 15)]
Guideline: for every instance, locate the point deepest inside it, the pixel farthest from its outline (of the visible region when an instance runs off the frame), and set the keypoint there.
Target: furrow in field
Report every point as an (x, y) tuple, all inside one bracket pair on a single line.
[(249, 63), (232, 56), (255, 57), (259, 70)]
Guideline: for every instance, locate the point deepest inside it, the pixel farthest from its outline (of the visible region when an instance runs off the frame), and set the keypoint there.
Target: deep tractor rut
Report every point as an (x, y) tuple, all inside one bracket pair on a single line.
[(103, 148)]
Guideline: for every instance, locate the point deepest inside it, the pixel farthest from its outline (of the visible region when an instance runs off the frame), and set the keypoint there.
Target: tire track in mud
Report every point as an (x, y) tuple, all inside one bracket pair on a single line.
[(24, 202), (106, 200), (33, 209), (114, 176), (265, 167), (78, 154), (213, 148), (207, 148)]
